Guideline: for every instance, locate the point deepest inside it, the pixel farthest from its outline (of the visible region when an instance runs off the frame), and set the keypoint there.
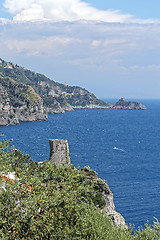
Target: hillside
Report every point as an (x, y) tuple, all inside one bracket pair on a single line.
[(57, 98), (19, 102), (29, 96), (45, 201)]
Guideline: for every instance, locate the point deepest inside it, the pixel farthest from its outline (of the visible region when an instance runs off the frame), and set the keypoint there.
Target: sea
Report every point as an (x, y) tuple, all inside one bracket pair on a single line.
[(122, 146)]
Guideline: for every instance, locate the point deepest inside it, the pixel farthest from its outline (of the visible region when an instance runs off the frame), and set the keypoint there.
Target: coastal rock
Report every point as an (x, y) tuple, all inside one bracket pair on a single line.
[(29, 96), (57, 97), (93, 106), (59, 154), (56, 108), (115, 216), (123, 104), (19, 103)]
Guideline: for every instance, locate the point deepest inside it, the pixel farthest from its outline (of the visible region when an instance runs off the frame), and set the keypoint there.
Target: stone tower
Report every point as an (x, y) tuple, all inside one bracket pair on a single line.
[(59, 151)]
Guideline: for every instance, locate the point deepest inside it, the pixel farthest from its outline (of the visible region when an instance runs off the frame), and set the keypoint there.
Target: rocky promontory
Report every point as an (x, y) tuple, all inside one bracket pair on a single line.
[(29, 96), (123, 104)]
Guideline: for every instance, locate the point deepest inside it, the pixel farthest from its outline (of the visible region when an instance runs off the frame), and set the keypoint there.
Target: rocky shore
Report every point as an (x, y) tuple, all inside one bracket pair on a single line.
[(23, 114), (26, 96), (12, 116), (123, 104)]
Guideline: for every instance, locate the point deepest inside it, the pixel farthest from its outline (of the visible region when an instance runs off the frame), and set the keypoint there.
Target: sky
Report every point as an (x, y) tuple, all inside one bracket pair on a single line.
[(111, 48)]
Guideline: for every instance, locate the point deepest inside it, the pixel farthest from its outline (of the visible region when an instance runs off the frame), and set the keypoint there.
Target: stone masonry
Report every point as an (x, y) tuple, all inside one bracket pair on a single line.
[(59, 152)]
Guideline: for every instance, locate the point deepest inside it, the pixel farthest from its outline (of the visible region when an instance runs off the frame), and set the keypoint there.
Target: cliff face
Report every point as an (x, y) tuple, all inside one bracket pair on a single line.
[(30, 96), (115, 216), (19, 103)]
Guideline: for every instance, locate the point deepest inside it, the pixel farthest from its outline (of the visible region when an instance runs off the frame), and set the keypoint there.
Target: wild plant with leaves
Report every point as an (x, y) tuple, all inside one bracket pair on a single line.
[(50, 202)]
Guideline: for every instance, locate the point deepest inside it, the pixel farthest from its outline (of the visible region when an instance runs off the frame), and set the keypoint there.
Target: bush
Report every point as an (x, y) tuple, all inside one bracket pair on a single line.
[(50, 202)]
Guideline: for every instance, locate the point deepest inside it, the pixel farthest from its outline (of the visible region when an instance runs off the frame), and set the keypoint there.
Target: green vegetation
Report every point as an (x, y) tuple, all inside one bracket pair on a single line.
[(19, 94), (50, 202), (53, 94)]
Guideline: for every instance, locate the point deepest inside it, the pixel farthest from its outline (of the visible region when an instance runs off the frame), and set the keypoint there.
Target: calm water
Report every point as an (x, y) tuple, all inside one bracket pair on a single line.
[(132, 170)]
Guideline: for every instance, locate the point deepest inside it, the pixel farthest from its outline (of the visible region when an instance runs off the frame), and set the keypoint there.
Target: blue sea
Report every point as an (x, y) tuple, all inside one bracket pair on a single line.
[(122, 146)]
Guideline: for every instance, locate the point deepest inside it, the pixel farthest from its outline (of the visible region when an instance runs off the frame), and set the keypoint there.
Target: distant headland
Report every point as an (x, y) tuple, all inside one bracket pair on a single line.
[(26, 96), (123, 104)]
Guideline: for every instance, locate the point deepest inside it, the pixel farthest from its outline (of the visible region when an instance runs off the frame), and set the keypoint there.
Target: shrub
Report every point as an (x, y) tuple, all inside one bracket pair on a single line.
[(50, 202)]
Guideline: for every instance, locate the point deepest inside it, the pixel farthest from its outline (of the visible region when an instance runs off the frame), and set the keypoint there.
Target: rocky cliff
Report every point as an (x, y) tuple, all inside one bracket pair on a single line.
[(59, 154), (30, 96), (57, 98), (19, 103)]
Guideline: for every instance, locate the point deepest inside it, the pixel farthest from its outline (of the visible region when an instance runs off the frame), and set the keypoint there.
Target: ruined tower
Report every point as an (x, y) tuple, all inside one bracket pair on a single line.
[(59, 151)]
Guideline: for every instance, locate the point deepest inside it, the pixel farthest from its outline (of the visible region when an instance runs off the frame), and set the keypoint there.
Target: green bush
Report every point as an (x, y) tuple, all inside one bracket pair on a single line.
[(50, 202)]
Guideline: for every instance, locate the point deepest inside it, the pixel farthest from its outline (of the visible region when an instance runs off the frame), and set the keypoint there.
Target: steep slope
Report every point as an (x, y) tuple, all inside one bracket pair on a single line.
[(19, 102), (30, 96), (57, 97), (52, 197)]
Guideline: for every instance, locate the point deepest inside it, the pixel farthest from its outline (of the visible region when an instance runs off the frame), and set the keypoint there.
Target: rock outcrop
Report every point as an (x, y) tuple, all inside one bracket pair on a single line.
[(19, 103), (123, 104), (115, 216), (59, 154)]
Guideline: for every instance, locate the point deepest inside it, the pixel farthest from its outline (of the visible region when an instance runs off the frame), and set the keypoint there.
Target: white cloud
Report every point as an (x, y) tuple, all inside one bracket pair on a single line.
[(51, 46), (138, 68), (35, 12), (70, 10), (4, 21), (99, 44), (84, 52)]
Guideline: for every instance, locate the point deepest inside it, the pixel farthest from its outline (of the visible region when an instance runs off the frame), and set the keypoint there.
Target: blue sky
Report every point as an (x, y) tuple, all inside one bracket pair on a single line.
[(139, 8), (112, 48)]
